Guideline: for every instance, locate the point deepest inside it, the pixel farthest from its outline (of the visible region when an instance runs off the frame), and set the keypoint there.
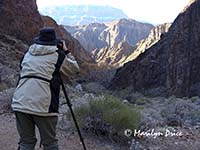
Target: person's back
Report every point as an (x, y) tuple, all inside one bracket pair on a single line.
[(36, 98)]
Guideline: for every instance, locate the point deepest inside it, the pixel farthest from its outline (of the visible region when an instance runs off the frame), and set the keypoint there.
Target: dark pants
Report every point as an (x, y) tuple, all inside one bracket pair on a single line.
[(26, 128)]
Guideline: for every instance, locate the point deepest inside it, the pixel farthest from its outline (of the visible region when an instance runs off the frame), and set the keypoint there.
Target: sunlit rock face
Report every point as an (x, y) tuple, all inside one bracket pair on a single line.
[(154, 36), (111, 43), (123, 52), (100, 35)]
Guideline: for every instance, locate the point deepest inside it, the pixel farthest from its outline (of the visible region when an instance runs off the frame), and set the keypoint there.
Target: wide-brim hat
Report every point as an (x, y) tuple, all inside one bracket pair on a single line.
[(47, 36)]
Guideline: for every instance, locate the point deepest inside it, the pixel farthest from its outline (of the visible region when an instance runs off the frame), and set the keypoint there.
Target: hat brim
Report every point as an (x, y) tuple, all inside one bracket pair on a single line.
[(50, 43)]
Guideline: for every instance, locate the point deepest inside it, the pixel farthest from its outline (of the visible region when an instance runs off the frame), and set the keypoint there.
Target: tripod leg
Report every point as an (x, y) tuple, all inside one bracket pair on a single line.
[(73, 116)]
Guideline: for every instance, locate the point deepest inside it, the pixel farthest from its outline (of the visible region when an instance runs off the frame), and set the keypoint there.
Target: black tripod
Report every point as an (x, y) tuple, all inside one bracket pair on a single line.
[(73, 116)]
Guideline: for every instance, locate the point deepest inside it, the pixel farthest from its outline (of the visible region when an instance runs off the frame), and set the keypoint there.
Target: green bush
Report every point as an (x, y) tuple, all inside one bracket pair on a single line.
[(194, 98), (107, 116)]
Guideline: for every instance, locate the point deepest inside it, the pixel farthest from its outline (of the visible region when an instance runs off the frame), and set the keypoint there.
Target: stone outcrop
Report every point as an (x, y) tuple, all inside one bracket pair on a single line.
[(153, 38), (20, 18), (123, 52), (114, 56), (171, 64), (104, 35), (110, 43)]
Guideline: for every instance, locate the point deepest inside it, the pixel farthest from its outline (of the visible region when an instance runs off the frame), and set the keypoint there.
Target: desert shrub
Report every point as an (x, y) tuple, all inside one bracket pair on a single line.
[(107, 116), (194, 98)]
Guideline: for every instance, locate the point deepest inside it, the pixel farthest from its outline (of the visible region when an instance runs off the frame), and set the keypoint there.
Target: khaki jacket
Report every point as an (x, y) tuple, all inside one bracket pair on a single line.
[(34, 96)]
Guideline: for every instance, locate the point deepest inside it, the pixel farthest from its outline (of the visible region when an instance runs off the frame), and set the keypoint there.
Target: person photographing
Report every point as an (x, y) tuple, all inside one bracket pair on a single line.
[(36, 98)]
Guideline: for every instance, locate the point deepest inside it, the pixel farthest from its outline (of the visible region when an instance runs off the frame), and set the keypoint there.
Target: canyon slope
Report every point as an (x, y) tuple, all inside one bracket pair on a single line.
[(170, 66), (123, 52), (20, 23), (101, 35), (117, 42)]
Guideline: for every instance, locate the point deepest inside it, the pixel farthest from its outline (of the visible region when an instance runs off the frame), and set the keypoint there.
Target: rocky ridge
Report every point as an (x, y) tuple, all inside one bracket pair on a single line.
[(20, 19), (123, 52), (113, 52), (20, 23), (113, 56), (102, 35), (171, 65), (154, 36)]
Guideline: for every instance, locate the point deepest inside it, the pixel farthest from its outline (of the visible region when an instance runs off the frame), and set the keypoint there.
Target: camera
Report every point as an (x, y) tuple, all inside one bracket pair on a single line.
[(60, 45)]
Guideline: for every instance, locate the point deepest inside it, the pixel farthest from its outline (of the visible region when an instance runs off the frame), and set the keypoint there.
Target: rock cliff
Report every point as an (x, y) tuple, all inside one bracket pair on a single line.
[(102, 35), (20, 23), (123, 52), (154, 36), (20, 18), (172, 64), (113, 56)]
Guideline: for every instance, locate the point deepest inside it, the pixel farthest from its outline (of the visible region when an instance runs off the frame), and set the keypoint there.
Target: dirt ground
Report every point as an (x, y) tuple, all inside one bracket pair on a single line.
[(67, 141), (70, 141)]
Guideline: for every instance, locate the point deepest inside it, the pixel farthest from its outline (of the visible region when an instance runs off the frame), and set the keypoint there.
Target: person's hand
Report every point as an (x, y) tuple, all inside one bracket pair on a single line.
[(64, 45)]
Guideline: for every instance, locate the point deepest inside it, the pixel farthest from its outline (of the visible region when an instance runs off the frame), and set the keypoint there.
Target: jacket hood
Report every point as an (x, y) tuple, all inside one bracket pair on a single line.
[(37, 49)]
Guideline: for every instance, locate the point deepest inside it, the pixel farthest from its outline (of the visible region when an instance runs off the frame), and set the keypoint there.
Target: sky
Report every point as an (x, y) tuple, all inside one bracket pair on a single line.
[(151, 11)]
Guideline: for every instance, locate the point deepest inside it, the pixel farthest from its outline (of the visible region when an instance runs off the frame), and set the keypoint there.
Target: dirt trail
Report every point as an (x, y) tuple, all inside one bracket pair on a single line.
[(9, 138)]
